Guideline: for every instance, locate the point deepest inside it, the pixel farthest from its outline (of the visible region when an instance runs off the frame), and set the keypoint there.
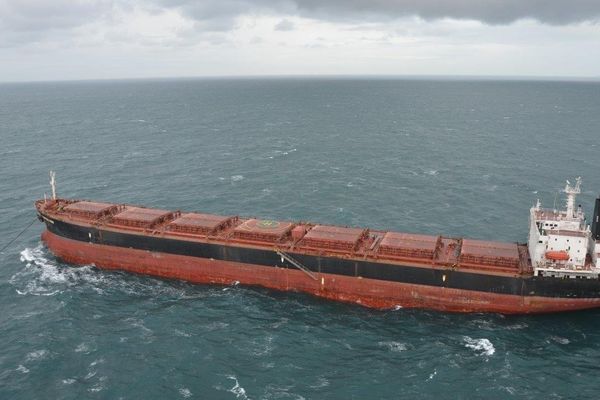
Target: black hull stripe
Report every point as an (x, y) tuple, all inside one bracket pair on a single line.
[(546, 287)]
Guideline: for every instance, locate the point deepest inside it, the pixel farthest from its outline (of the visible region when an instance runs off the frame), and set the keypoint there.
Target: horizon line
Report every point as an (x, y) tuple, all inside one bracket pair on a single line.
[(556, 78)]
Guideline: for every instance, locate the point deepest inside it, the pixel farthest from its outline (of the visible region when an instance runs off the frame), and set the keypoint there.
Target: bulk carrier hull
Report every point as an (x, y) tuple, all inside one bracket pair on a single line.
[(383, 270)]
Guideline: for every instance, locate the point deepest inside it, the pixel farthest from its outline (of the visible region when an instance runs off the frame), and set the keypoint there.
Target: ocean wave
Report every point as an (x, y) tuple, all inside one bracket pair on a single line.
[(21, 368), (82, 348), (181, 333), (321, 383), (432, 375), (37, 355), (395, 347), (560, 340), (262, 347), (483, 347), (237, 389), (146, 333)]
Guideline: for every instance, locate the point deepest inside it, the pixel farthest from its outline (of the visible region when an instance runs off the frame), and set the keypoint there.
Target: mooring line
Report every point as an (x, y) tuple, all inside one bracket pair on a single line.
[(16, 237)]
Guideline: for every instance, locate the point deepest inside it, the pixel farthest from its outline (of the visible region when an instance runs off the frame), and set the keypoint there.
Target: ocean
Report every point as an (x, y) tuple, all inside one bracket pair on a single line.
[(453, 157)]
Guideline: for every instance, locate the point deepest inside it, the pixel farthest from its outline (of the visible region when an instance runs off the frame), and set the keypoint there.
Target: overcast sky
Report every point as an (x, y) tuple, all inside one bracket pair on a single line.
[(104, 39)]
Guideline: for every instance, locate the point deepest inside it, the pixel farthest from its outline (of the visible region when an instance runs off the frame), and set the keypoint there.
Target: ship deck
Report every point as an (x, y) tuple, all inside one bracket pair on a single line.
[(439, 252)]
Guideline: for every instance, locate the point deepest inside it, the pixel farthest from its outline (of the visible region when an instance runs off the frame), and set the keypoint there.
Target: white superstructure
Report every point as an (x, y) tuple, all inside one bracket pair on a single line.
[(560, 241)]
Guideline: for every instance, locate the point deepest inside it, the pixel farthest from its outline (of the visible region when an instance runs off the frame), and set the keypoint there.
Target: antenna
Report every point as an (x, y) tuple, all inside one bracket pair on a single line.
[(53, 184), (572, 192)]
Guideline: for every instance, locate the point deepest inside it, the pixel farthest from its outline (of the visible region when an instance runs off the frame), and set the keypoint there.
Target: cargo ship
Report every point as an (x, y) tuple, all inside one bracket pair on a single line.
[(556, 270)]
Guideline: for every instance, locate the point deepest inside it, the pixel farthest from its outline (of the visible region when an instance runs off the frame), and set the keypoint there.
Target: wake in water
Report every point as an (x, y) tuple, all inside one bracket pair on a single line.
[(43, 275)]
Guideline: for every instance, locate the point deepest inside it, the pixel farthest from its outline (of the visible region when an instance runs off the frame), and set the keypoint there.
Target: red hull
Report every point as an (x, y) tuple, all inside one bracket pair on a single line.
[(367, 292)]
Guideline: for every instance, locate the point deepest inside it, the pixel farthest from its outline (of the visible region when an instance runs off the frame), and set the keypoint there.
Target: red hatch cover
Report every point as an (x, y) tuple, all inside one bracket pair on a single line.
[(141, 217), (199, 223), (489, 253), (90, 209), (262, 230), (408, 245), (333, 237)]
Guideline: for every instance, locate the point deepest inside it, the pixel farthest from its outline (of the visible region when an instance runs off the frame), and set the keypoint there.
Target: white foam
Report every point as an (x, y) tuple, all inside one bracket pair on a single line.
[(82, 347), (321, 383), (37, 355), (23, 369), (432, 375), (264, 348), (96, 388), (182, 333), (41, 276), (517, 326), (395, 347), (185, 392), (560, 340), (68, 381), (90, 374), (236, 178), (481, 346), (238, 390), (96, 362)]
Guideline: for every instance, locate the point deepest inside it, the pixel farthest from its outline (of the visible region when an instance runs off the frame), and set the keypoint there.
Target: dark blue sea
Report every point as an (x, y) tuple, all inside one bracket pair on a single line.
[(453, 157)]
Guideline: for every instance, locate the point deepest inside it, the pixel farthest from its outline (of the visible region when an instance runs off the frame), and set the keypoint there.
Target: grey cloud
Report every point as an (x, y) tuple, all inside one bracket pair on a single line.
[(23, 21), (220, 15), (284, 25), (41, 15), (491, 11), (556, 12)]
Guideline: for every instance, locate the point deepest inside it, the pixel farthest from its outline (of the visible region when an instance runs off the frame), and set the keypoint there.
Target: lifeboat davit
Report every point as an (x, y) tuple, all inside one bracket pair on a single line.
[(557, 255)]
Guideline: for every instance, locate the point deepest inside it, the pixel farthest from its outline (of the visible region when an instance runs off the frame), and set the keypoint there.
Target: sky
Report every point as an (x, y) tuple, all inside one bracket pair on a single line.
[(113, 39)]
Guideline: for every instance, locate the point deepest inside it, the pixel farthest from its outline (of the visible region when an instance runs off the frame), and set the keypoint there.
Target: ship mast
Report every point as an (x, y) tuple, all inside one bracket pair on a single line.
[(571, 192), (53, 184)]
